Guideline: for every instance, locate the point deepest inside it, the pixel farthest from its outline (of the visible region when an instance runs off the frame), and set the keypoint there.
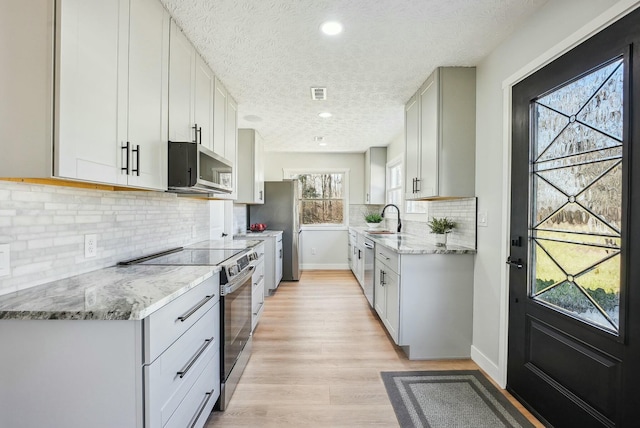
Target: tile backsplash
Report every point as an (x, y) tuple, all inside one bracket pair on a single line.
[(461, 211), (45, 228)]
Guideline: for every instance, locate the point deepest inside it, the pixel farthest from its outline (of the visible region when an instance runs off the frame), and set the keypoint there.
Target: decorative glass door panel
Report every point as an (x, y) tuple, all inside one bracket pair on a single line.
[(576, 197)]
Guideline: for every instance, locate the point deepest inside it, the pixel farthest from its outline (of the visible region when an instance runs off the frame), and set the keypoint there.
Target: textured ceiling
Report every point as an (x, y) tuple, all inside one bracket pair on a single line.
[(269, 53)]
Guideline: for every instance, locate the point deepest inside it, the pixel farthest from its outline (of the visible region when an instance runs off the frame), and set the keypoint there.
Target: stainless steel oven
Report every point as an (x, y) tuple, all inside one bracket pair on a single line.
[(235, 315), (235, 304)]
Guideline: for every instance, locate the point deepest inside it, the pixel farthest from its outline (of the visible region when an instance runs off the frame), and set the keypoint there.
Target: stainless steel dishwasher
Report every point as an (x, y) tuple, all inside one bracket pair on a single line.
[(369, 257)]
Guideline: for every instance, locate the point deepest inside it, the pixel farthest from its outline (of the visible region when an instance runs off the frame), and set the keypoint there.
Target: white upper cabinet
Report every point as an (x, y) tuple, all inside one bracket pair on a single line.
[(375, 172), (440, 136), (412, 145), (231, 142), (101, 115), (250, 167), (220, 99), (91, 96), (182, 65), (148, 94), (203, 97)]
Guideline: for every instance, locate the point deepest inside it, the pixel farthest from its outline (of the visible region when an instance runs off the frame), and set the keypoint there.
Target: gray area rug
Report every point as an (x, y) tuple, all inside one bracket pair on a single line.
[(449, 399)]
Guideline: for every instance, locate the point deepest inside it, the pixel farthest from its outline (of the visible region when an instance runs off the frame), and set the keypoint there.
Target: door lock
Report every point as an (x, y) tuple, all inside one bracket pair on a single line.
[(517, 264)]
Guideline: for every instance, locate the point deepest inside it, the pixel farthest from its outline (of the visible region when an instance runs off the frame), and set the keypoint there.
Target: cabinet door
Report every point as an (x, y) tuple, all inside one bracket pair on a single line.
[(429, 137), (91, 89), (259, 170), (148, 93), (367, 177), (231, 142), (203, 114), (412, 146), (379, 294), (219, 119), (279, 260), (392, 310), (181, 86)]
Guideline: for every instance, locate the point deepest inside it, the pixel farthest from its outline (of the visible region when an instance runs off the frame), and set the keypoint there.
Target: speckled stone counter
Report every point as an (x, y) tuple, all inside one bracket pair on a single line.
[(403, 243), (257, 235), (115, 293)]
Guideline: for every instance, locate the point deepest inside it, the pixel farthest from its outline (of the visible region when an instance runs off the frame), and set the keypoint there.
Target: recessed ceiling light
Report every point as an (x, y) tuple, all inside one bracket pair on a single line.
[(325, 114), (252, 118), (331, 28)]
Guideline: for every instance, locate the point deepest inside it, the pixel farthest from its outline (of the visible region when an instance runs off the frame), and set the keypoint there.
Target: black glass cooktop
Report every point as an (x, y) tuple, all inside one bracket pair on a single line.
[(187, 257)]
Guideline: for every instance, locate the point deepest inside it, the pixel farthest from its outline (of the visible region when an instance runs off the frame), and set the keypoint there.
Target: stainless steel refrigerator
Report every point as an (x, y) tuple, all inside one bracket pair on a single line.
[(280, 212)]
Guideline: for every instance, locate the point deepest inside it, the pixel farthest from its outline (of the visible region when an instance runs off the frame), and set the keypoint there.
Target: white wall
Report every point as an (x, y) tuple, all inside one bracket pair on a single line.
[(330, 246), (547, 28), (274, 162)]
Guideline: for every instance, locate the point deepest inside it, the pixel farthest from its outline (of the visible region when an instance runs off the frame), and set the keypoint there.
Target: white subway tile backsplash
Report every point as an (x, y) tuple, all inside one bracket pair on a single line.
[(45, 226)]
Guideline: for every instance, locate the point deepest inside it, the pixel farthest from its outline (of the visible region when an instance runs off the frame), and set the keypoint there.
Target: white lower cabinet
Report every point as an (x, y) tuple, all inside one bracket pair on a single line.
[(425, 302), (279, 259), (170, 379), (272, 258), (257, 293), (115, 373), (387, 297)]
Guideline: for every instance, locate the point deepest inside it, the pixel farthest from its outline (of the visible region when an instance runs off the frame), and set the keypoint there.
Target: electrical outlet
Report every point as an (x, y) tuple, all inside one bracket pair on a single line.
[(482, 219), (313, 251), (90, 245), (5, 260)]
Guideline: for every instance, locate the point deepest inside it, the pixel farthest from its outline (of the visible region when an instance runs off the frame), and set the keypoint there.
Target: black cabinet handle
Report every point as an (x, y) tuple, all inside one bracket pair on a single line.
[(193, 310), (261, 195), (182, 373), (196, 131), (125, 168), (417, 182), (382, 278), (137, 152), (208, 396)]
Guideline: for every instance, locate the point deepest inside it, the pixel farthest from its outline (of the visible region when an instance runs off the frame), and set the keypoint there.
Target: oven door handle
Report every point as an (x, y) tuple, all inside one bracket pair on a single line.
[(237, 282)]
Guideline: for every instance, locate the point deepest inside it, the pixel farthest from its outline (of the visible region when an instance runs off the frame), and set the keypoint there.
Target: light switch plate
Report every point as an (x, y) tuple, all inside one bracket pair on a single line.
[(482, 219), (5, 259)]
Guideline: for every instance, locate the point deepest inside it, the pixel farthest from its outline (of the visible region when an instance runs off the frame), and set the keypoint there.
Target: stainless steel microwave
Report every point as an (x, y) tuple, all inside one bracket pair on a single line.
[(195, 169)]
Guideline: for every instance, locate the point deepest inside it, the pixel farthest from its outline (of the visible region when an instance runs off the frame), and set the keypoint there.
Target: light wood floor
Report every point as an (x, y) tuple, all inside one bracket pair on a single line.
[(317, 356)]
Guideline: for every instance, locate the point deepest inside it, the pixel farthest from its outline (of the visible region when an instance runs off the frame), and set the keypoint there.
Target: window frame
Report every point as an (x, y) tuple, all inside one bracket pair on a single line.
[(292, 173), (393, 163)]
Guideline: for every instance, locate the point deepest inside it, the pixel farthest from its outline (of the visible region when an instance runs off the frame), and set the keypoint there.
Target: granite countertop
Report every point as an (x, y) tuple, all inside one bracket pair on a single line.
[(404, 243), (114, 293), (257, 235)]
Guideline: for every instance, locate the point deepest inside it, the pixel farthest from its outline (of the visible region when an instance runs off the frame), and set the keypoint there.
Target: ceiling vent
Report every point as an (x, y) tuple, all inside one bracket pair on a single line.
[(318, 139), (318, 94)]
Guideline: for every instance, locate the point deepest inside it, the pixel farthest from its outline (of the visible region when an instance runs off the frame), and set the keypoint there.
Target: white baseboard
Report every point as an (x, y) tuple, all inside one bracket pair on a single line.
[(488, 366), (325, 266)]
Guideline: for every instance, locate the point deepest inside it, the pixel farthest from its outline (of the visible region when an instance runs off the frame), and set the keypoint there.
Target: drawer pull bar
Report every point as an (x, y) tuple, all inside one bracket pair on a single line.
[(204, 405), (256, 313), (184, 371), (193, 310)]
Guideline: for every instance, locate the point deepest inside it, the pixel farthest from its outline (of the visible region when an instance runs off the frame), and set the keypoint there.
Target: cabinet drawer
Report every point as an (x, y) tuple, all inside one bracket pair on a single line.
[(171, 376), (388, 257), (198, 404), (168, 323)]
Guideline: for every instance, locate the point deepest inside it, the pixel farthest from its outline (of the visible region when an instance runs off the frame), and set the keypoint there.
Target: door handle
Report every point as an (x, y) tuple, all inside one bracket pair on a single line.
[(137, 168), (517, 264)]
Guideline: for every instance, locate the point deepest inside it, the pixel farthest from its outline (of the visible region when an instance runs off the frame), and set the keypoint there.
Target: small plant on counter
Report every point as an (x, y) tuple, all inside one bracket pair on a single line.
[(373, 218), (441, 226)]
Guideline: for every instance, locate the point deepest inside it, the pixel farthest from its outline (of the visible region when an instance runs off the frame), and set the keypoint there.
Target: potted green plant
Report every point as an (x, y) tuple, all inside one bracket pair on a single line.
[(440, 227), (373, 220)]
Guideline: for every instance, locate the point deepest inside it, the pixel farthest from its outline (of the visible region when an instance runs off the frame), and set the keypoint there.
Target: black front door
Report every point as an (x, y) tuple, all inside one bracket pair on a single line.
[(574, 308)]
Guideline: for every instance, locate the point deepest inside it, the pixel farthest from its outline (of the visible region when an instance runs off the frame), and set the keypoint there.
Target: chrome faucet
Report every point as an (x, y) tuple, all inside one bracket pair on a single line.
[(398, 209)]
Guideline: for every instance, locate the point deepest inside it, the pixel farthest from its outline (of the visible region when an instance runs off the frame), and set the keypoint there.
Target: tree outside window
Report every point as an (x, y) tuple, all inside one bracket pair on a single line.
[(322, 198)]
